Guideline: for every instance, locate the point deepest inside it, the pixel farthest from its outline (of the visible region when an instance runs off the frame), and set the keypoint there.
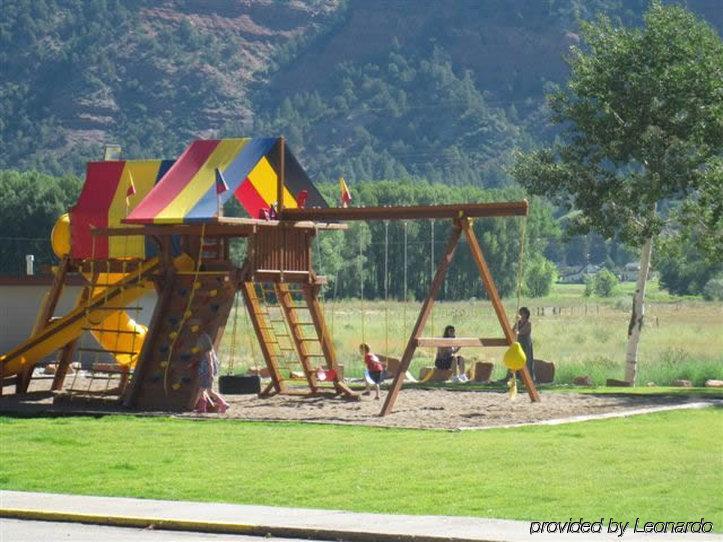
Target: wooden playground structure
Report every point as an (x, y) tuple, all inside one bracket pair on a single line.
[(145, 226)]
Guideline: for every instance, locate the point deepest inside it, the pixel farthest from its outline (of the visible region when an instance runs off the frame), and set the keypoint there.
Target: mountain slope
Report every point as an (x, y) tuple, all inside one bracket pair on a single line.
[(362, 88)]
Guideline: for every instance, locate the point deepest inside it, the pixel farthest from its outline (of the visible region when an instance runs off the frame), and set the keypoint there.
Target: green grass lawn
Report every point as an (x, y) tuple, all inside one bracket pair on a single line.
[(662, 466)]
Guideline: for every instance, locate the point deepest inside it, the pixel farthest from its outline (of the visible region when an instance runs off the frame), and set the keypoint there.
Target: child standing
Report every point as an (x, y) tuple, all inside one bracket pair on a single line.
[(523, 328), (208, 367), (375, 368)]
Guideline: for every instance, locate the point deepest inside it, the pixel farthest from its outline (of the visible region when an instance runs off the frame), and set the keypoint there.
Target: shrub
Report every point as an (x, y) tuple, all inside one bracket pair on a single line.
[(605, 283), (713, 289), (540, 275)]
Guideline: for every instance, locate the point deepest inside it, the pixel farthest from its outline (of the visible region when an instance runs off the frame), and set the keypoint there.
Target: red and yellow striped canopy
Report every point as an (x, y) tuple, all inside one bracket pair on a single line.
[(250, 167)]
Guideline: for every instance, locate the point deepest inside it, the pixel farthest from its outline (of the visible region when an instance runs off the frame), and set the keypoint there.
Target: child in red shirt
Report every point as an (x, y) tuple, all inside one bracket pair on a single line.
[(375, 368)]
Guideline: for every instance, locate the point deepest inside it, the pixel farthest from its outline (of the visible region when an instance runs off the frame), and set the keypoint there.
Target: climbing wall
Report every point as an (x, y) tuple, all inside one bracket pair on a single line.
[(191, 304)]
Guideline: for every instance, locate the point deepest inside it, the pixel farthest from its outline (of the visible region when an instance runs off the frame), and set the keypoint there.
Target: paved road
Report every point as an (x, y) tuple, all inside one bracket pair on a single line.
[(15, 530)]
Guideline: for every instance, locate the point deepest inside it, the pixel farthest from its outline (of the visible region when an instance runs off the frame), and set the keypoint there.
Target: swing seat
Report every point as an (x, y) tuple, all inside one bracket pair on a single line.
[(326, 375), (239, 385), (432, 374)]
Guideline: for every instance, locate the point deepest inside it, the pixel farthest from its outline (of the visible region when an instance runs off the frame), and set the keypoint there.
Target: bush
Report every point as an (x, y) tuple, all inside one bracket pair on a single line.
[(540, 275), (606, 283), (713, 289), (603, 284)]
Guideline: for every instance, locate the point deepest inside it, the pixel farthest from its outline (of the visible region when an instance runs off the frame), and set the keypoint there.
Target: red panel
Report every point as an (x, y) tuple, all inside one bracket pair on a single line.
[(174, 181), (101, 183), (250, 199)]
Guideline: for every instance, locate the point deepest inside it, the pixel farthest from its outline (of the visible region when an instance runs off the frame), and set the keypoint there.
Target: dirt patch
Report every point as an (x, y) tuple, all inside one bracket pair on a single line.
[(415, 408), (438, 409)]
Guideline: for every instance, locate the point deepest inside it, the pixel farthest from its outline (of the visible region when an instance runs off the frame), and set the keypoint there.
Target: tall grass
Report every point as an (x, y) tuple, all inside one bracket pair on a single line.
[(582, 336)]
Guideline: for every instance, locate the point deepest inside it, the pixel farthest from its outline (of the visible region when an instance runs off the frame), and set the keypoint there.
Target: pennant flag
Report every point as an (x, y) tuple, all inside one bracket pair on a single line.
[(221, 185), (131, 190), (344, 193), (301, 198)]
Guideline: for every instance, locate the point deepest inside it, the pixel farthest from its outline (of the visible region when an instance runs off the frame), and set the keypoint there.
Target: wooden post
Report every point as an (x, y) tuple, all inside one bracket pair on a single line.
[(491, 289), (281, 179), (68, 351), (254, 308), (424, 312), (50, 303)]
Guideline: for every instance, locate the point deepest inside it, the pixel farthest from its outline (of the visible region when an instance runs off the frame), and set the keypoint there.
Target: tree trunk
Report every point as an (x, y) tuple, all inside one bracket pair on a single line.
[(635, 327)]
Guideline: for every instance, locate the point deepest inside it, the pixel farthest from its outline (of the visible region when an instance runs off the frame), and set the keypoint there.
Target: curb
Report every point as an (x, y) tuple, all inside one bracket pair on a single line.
[(225, 528)]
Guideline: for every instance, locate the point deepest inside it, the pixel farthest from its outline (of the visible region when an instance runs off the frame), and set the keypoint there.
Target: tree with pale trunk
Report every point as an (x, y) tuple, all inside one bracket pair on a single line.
[(641, 121)]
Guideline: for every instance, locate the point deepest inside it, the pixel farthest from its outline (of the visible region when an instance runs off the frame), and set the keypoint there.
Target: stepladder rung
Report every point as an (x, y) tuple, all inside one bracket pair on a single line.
[(104, 351), (111, 331), (134, 308)]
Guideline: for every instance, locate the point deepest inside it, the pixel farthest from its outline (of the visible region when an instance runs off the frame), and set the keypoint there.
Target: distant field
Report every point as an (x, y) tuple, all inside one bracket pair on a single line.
[(584, 336)]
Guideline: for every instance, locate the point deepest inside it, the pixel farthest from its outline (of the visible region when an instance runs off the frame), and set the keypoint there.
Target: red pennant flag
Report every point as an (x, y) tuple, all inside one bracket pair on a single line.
[(221, 185), (301, 198), (131, 191)]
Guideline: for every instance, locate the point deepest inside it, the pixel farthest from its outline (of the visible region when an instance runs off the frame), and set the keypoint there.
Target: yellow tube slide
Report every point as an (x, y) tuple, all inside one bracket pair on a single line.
[(118, 333)]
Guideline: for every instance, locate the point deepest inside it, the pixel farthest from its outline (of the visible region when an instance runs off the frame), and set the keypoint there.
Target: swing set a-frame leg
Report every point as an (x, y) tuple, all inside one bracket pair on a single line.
[(494, 296), (424, 313), (460, 225)]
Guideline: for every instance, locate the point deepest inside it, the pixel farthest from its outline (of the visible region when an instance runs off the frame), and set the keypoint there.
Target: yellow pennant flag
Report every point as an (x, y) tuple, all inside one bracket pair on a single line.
[(344, 193)]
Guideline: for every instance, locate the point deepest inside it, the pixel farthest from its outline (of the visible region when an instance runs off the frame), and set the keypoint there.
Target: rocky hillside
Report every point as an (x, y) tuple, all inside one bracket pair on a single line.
[(365, 88)]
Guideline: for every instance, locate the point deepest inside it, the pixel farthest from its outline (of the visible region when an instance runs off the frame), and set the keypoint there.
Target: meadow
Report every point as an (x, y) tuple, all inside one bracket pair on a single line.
[(682, 338)]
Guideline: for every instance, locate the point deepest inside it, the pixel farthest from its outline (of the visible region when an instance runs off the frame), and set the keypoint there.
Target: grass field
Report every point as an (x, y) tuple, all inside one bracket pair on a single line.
[(585, 336), (660, 466)]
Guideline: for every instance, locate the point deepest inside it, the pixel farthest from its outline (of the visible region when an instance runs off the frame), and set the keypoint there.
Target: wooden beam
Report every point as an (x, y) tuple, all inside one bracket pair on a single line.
[(474, 342), (457, 210), (68, 351), (224, 227), (50, 303), (424, 312), (499, 308), (281, 179)]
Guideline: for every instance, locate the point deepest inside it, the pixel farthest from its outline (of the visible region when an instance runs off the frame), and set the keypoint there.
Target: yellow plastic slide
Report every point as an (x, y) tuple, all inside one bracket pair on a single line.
[(98, 313), (118, 332)]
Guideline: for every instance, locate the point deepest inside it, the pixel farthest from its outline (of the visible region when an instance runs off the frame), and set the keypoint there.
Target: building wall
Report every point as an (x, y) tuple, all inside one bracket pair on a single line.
[(20, 303)]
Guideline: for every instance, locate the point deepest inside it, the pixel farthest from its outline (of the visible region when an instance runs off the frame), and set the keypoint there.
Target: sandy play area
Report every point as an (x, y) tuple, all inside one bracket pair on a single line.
[(438, 408), (415, 408)]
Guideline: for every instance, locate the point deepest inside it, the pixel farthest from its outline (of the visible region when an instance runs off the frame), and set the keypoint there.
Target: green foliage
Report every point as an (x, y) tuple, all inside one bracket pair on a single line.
[(603, 283), (713, 289), (369, 124), (31, 202), (684, 268), (540, 275), (354, 259), (642, 116)]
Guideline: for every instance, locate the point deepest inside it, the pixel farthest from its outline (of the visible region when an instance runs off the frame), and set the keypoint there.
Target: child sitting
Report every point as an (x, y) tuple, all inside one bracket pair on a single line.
[(447, 357), (375, 369)]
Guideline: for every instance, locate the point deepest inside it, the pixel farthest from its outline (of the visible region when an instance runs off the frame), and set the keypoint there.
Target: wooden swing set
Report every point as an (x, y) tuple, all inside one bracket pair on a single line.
[(462, 216)]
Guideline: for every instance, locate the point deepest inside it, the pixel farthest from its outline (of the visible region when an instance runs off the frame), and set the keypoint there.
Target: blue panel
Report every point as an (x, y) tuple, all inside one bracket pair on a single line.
[(235, 173)]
